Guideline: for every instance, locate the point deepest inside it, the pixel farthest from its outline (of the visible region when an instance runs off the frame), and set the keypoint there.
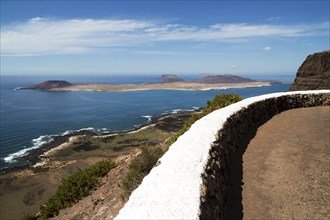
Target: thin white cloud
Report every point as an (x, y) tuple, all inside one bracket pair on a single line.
[(233, 67), (268, 48), (36, 19), (274, 18), (41, 36), (157, 52)]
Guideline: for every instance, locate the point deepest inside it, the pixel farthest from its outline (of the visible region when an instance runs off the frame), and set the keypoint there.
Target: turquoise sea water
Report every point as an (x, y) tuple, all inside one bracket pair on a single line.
[(29, 118)]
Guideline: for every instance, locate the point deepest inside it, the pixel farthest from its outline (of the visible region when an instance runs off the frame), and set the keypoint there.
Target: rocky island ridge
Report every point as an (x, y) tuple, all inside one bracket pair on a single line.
[(167, 82)]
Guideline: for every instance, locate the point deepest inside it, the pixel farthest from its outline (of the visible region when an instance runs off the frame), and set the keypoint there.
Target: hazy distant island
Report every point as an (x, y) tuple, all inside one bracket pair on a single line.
[(167, 82)]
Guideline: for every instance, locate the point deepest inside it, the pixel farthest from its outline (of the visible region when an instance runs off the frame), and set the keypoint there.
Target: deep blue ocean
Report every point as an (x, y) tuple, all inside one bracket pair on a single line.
[(29, 118)]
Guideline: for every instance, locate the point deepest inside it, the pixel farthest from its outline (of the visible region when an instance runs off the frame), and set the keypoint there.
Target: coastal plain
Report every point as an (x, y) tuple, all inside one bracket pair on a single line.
[(159, 86)]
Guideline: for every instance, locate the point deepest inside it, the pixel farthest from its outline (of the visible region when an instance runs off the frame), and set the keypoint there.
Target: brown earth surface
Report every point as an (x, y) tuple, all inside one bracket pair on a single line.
[(286, 167), (106, 201)]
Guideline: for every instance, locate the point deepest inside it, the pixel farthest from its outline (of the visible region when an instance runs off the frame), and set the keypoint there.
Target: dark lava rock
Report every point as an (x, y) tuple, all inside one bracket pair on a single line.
[(174, 123), (225, 79), (33, 155), (51, 84), (169, 78), (314, 73), (85, 147)]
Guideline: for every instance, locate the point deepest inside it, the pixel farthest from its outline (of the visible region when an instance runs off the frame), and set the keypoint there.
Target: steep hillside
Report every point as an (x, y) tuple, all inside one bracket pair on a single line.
[(51, 84), (224, 79), (314, 73), (169, 78)]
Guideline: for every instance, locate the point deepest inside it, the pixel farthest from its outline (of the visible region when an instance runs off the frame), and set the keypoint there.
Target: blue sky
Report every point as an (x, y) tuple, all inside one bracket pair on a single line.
[(148, 37)]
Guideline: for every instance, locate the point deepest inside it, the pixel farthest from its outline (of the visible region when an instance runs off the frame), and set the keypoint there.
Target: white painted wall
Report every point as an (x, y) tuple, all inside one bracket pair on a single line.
[(172, 189)]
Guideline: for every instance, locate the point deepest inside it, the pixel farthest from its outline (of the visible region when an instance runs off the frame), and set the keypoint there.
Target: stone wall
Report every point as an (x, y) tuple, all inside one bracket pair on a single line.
[(233, 139), (196, 178)]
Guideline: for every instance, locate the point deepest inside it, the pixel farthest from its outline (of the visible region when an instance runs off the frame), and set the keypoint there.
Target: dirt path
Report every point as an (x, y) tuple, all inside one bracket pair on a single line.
[(286, 167)]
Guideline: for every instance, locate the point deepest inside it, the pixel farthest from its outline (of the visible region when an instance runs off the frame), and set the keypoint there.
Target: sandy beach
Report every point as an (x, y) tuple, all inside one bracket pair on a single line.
[(159, 86)]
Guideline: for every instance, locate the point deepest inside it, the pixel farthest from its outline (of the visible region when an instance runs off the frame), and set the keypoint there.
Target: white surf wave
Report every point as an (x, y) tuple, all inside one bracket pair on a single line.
[(45, 139), (149, 117), (82, 129), (176, 111), (36, 143)]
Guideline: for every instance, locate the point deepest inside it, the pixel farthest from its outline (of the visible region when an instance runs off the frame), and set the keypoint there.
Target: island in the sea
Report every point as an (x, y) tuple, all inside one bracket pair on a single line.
[(167, 82)]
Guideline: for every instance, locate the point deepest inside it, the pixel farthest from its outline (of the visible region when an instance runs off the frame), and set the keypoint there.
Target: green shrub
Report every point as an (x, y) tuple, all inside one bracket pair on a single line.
[(28, 198), (39, 169), (219, 101), (31, 216), (139, 168), (75, 187), (145, 161)]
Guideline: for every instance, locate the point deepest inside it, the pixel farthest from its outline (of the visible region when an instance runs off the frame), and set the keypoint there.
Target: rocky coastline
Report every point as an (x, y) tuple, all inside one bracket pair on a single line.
[(33, 156), (41, 154)]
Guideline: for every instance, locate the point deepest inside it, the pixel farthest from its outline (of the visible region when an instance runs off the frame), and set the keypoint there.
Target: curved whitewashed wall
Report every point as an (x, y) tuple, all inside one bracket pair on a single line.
[(186, 183)]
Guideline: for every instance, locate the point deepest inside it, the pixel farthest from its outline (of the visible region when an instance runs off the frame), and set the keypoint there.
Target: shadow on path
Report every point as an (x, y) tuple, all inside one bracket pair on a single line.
[(234, 206)]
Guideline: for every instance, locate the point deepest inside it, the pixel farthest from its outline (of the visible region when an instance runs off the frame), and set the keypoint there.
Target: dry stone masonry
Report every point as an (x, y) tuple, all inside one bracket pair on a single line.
[(233, 137)]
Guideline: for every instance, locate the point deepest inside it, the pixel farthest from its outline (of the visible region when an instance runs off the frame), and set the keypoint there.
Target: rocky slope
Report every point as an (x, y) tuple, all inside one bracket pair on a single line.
[(105, 201), (169, 78), (224, 79), (211, 79), (51, 84), (314, 73)]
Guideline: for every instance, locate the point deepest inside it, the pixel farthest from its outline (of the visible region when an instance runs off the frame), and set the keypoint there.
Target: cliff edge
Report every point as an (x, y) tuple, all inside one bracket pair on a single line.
[(314, 73)]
